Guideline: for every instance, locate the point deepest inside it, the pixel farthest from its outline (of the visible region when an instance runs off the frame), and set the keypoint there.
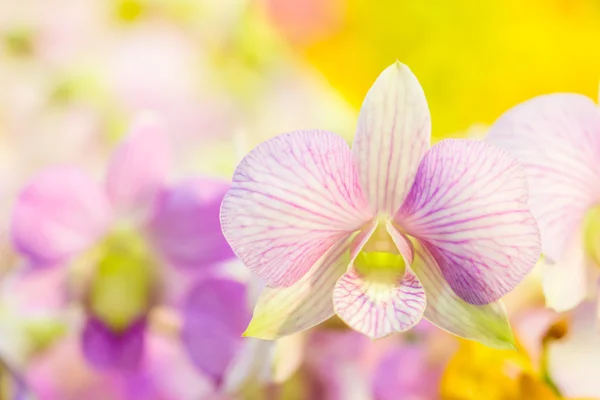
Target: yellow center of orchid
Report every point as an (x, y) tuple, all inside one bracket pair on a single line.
[(122, 284), (591, 235), (380, 258)]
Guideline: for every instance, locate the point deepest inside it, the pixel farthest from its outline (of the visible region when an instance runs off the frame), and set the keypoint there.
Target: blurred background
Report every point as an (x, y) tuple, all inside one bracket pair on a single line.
[(222, 76)]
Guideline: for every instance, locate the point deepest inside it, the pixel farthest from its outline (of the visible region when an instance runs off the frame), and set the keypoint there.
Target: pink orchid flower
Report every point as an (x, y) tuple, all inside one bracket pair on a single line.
[(386, 233), (124, 235), (556, 137)]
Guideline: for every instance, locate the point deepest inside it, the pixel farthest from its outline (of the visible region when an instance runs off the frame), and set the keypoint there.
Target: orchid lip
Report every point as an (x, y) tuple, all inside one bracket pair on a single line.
[(380, 258)]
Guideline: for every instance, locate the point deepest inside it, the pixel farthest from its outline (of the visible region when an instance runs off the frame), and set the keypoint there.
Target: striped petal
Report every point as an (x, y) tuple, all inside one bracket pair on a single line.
[(378, 306), (557, 140), (292, 199), (394, 128), (487, 324), (468, 207), (283, 311), (59, 213)]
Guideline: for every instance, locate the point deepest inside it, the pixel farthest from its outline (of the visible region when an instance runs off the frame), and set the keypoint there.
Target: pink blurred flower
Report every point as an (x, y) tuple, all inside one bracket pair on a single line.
[(557, 139), (62, 215)]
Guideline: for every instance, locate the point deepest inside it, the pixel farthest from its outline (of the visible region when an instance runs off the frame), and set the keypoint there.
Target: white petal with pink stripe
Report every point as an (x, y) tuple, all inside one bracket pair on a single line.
[(468, 206), (292, 199)]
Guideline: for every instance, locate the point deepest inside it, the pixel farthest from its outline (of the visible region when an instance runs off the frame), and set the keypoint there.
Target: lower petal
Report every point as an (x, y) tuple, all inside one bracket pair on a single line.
[(283, 311), (106, 349), (486, 324), (379, 305), (60, 212)]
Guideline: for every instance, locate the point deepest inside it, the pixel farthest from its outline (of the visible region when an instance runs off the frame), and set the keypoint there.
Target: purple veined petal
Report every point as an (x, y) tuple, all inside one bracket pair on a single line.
[(379, 300), (379, 307), (186, 227), (487, 324), (284, 311), (59, 213), (292, 198), (215, 315), (139, 168), (394, 129), (566, 281), (106, 349), (468, 207), (557, 140)]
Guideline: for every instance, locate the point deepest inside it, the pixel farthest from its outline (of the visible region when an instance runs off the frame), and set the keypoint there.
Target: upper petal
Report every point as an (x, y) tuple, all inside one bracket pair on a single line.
[(138, 168), (487, 324), (468, 206), (394, 128), (215, 314), (185, 226), (292, 198), (60, 212), (557, 140)]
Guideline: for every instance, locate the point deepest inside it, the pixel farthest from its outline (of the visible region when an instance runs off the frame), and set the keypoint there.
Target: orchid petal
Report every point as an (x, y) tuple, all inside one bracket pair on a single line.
[(107, 349), (186, 227), (394, 128), (286, 310), (292, 198), (215, 314), (138, 169), (468, 207), (59, 213), (487, 324), (378, 306), (557, 140)]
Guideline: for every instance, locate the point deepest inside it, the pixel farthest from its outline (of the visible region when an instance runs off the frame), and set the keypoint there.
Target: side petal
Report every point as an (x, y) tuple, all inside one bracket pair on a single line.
[(394, 129), (106, 349), (286, 310), (59, 213), (468, 206), (487, 324), (138, 169), (292, 198), (186, 227), (557, 140), (215, 314), (378, 306)]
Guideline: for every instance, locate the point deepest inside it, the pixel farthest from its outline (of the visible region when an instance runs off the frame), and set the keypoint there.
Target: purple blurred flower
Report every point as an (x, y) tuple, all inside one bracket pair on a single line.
[(318, 221), (122, 235)]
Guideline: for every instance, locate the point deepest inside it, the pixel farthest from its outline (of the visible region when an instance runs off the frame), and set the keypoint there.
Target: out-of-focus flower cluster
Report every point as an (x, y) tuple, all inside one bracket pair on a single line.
[(121, 123)]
